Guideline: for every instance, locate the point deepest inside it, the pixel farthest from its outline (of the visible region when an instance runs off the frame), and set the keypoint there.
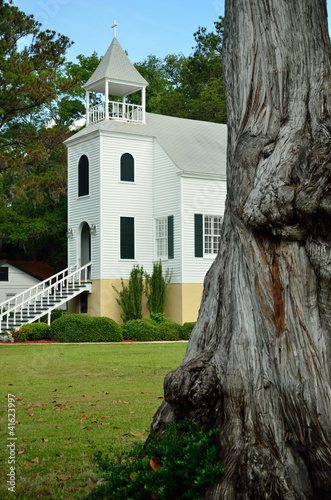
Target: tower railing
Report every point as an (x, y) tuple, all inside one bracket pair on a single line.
[(121, 111)]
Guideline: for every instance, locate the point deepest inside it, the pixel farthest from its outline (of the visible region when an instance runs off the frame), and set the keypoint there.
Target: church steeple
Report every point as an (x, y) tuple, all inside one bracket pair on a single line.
[(116, 76)]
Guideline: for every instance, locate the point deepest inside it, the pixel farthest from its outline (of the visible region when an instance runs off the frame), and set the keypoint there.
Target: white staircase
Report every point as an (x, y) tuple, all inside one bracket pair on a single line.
[(41, 299)]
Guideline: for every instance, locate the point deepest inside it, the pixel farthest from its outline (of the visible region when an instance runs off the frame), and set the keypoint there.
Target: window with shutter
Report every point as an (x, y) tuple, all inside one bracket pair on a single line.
[(127, 238), (83, 176), (3, 273), (127, 167)]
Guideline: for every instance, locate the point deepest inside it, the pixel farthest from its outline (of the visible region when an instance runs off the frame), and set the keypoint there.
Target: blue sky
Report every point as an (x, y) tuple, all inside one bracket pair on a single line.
[(144, 27)]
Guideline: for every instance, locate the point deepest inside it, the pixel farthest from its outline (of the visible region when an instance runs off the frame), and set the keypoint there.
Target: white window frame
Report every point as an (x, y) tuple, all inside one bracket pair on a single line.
[(161, 238), (211, 234)]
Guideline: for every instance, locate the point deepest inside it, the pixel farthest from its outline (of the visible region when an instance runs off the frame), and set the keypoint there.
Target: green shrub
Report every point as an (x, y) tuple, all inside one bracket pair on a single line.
[(140, 330), (79, 328), (168, 330), (180, 463), (186, 330), (109, 330), (33, 331), (155, 287), (55, 314), (158, 317), (130, 297)]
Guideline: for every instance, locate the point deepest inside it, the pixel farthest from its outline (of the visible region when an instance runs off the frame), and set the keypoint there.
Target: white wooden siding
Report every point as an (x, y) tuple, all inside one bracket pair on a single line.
[(126, 199), (18, 281), (205, 197), (85, 208), (167, 201)]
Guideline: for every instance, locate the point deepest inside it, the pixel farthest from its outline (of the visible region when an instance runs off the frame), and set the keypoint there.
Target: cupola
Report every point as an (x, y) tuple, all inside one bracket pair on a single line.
[(115, 76)]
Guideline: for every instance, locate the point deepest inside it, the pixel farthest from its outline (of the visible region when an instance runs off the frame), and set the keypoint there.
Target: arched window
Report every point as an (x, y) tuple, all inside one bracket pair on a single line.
[(127, 167), (83, 176)]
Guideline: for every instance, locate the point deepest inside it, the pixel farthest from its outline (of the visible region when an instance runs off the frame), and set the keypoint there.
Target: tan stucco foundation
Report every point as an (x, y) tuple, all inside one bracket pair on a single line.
[(182, 301)]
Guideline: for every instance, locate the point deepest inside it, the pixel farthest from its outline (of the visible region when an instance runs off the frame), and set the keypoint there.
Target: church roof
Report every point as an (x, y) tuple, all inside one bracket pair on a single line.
[(116, 67), (197, 148)]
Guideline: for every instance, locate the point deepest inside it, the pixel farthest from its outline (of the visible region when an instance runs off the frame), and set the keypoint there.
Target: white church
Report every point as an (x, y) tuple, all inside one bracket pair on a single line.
[(142, 187)]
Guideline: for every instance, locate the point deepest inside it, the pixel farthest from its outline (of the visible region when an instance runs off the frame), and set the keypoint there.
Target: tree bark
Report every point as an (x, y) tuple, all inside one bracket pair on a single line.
[(257, 365)]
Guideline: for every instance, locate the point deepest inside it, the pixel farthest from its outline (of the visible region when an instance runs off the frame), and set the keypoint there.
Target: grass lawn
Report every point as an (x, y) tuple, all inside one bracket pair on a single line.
[(72, 401)]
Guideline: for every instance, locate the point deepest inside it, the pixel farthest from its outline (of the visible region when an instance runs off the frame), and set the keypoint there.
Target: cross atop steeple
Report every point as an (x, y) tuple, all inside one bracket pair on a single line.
[(114, 27)]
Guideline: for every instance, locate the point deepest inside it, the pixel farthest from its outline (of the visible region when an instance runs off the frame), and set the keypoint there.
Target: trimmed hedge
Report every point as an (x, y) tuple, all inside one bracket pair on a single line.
[(32, 331), (186, 330), (169, 330), (140, 330), (79, 328)]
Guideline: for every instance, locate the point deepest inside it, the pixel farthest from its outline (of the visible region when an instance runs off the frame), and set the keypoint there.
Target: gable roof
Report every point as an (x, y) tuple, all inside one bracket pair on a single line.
[(197, 148), (116, 67), (38, 270)]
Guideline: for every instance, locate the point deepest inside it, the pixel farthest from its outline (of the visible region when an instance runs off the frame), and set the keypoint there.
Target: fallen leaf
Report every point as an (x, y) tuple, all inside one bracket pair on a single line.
[(115, 402), (69, 385), (24, 440), (126, 434), (21, 452), (88, 428), (27, 465), (115, 427), (139, 434), (40, 419), (44, 440), (60, 455), (10, 384), (31, 414), (54, 390), (69, 443), (64, 478), (126, 402), (59, 426), (160, 397), (104, 423), (155, 464), (69, 437), (99, 482), (105, 417), (84, 396), (83, 416), (35, 460), (61, 354)]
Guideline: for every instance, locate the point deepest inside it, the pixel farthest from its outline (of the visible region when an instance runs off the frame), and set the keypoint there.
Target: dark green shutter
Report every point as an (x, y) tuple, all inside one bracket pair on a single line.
[(198, 235), (127, 168), (170, 237), (127, 238), (83, 176)]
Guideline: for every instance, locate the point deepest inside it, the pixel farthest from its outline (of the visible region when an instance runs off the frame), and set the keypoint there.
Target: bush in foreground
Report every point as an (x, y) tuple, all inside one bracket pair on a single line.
[(177, 464), (186, 330), (168, 330), (140, 330), (79, 328), (32, 331)]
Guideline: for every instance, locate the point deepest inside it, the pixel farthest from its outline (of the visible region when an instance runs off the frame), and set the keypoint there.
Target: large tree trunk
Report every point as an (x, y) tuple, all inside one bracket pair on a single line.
[(258, 361)]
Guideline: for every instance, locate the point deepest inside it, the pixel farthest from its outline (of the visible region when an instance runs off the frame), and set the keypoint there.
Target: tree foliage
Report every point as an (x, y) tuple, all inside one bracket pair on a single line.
[(189, 87)]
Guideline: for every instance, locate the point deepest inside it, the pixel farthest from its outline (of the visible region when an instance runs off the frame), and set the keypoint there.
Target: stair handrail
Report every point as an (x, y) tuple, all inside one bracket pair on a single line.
[(44, 292)]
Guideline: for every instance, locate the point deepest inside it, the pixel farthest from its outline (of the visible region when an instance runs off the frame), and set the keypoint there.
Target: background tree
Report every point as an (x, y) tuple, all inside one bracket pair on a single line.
[(189, 87), (258, 361)]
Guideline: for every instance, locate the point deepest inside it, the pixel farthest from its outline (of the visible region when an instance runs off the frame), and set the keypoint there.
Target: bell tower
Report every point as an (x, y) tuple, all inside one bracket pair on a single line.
[(108, 88)]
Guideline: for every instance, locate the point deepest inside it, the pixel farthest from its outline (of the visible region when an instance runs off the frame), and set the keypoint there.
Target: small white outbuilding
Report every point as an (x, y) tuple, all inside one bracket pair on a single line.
[(142, 187)]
